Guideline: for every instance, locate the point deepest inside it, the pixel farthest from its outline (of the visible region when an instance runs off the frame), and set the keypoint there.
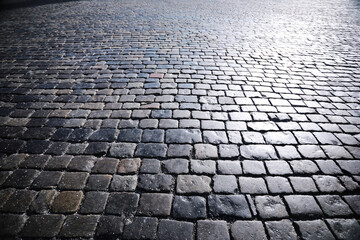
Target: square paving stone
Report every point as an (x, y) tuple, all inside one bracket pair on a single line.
[(203, 166), (176, 230), (122, 149), (225, 184), (122, 203), (250, 229), (11, 224), (123, 183), (328, 184), (303, 184), (189, 207), (19, 201), (229, 205), (304, 167), (288, 152), (153, 135), (311, 151), (130, 135), (252, 185), (270, 207), (207, 229), (141, 228), (129, 165), (314, 230), (215, 137), (155, 182), (228, 151), (155, 204), (109, 226), (176, 166), (345, 229), (46, 180), (58, 163), (229, 167), (301, 205), (96, 148), (205, 151), (76, 226), (106, 165), (73, 180), (179, 150), (258, 152), (183, 136), (82, 163), (150, 166), (98, 182), (333, 205), (35, 161), (67, 202), (281, 230), (94, 202), (103, 135), (21, 178), (193, 184), (35, 146), (280, 138), (5, 195), (253, 167), (151, 150), (278, 185), (278, 167), (40, 226)]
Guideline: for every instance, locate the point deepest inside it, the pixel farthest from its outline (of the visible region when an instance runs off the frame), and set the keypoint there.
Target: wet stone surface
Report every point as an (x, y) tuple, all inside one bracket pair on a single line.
[(180, 120)]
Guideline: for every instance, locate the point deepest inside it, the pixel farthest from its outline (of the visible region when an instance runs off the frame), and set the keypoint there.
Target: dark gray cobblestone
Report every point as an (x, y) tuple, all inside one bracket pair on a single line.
[(180, 120)]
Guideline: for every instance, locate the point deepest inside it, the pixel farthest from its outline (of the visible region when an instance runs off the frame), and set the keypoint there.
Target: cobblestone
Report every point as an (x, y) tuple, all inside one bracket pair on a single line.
[(179, 119)]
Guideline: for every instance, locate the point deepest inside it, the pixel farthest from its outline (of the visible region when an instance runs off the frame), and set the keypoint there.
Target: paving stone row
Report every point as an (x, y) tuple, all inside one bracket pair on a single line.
[(180, 120)]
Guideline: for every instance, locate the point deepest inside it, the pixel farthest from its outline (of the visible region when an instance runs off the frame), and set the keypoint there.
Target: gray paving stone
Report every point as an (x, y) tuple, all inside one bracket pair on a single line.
[(280, 138), (333, 205), (229, 205), (225, 184), (278, 185), (205, 151), (79, 226), (176, 166), (19, 201), (73, 180), (270, 207), (278, 167), (122, 149), (189, 207), (250, 229), (304, 167), (228, 151), (203, 166), (81, 163), (301, 205), (176, 229), (141, 228), (11, 224), (151, 150), (155, 183), (98, 182), (258, 152), (109, 226), (193, 184), (155, 204), (122, 203), (183, 136), (328, 184), (253, 167), (311, 151), (315, 229), (207, 229), (229, 167), (354, 202), (288, 152), (252, 185), (281, 230), (150, 166), (345, 228), (43, 201), (215, 137), (43, 226)]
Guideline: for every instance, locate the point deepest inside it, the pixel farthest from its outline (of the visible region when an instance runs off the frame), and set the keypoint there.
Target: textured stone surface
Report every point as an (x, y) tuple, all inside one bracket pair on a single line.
[(151, 119)]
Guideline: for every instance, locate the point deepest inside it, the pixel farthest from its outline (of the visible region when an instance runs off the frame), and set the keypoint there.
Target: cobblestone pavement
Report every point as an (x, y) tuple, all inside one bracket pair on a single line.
[(180, 120)]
